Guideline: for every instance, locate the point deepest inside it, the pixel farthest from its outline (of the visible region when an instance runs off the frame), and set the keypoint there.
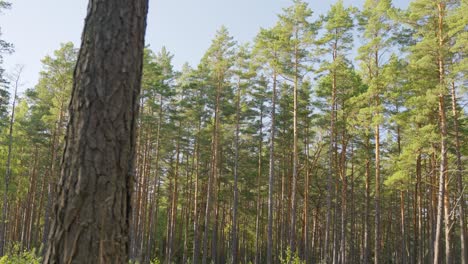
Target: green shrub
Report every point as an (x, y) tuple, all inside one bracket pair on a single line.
[(155, 261), (16, 256), (291, 258)]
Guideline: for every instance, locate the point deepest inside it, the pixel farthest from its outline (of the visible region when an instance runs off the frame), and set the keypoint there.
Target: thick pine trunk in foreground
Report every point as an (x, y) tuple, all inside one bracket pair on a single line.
[(91, 214)]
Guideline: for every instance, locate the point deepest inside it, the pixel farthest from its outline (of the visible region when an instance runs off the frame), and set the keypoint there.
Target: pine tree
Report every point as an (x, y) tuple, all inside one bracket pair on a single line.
[(268, 51), (218, 61), (337, 41), (300, 32), (377, 24)]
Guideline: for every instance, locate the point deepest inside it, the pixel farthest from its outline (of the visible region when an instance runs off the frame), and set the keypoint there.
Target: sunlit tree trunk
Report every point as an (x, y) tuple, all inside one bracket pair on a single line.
[(443, 203), (459, 174), (271, 174), (92, 211), (3, 227)]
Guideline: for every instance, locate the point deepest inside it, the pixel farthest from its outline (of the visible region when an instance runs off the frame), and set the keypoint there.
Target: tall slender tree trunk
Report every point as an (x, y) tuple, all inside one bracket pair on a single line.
[(344, 197), (175, 195), (305, 229), (271, 176), (377, 196), (214, 171), (367, 206), (459, 174), (259, 175), (292, 227), (155, 193), (92, 211), (443, 196), (330, 171), (236, 176), (188, 205), (378, 235), (402, 227), (196, 242), (51, 180), (3, 227), (353, 243), (214, 241), (433, 201), (26, 234), (418, 237)]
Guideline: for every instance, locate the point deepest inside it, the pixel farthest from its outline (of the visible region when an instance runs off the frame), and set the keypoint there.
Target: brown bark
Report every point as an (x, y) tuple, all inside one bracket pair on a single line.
[(92, 211), (344, 198), (305, 213), (259, 175), (30, 203), (443, 203), (459, 174), (214, 169), (418, 252), (366, 249), (292, 227), (153, 222), (174, 196), (402, 227), (271, 174), (236, 177), (196, 242), (3, 227), (377, 237)]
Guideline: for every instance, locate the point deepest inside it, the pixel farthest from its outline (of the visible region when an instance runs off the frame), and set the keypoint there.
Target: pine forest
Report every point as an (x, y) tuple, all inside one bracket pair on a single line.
[(338, 138)]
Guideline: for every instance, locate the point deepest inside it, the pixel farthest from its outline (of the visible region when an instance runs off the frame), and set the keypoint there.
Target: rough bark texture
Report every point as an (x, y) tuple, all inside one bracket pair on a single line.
[(92, 210)]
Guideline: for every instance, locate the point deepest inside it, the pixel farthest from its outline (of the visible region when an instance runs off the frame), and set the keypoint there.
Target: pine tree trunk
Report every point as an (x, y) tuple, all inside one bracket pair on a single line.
[(444, 195), (344, 198), (196, 242), (353, 243), (187, 204), (330, 172), (433, 202), (3, 227), (367, 207), (292, 227), (92, 211), (30, 203), (378, 235), (214, 171), (271, 176), (153, 221), (402, 226), (259, 175), (419, 244), (236, 176), (174, 196), (305, 228), (459, 174)]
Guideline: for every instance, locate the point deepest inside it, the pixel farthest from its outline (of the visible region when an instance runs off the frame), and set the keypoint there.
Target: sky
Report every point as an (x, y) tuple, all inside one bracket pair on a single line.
[(184, 27)]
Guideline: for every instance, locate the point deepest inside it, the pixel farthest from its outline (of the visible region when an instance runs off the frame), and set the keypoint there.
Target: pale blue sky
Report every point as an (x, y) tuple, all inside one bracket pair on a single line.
[(185, 27)]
